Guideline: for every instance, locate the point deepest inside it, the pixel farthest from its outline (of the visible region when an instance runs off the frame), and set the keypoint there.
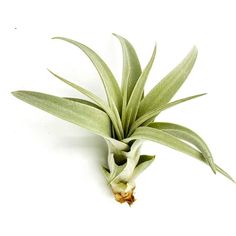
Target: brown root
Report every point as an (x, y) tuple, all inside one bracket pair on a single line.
[(125, 197)]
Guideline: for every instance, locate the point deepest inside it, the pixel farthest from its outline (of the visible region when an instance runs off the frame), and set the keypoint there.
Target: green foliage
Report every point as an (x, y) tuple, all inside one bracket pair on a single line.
[(128, 116), (78, 113), (167, 87)]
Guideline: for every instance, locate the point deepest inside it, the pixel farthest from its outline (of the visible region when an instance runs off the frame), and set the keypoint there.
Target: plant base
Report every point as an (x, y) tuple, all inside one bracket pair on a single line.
[(123, 197)]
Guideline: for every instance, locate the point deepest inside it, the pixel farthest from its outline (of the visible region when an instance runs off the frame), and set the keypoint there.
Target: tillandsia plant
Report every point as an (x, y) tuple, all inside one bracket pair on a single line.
[(127, 119)]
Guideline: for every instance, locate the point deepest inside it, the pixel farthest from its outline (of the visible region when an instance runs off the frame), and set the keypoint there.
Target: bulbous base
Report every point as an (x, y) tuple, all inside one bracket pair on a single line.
[(124, 165)]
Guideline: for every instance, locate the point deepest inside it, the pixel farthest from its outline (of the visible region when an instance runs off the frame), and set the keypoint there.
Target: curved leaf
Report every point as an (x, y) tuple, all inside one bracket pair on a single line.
[(84, 102), (143, 163), (187, 135), (78, 113), (131, 68), (223, 172), (113, 115), (106, 173), (152, 134), (149, 116), (134, 101), (168, 86), (110, 84)]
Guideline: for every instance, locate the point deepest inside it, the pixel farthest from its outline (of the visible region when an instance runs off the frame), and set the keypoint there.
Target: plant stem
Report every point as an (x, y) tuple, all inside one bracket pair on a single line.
[(120, 172)]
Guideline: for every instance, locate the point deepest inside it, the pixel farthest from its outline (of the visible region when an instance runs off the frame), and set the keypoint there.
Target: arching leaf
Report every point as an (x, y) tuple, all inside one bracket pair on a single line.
[(136, 95), (168, 86), (110, 84), (187, 135), (149, 116), (113, 115), (161, 137), (80, 114)]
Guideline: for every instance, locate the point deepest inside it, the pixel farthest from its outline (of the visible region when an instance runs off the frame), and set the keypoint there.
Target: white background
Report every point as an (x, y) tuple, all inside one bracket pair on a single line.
[(50, 180)]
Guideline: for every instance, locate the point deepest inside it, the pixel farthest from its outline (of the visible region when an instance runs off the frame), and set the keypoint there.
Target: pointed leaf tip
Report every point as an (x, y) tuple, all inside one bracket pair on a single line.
[(163, 92), (135, 98), (78, 113), (116, 122), (189, 136), (17, 93), (109, 82)]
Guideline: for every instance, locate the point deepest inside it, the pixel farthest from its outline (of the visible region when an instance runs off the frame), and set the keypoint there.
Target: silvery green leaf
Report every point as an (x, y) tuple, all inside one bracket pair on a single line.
[(168, 86), (149, 116), (80, 114), (110, 84), (117, 170), (187, 135), (134, 101), (143, 163), (223, 172), (131, 68), (114, 144), (113, 115), (161, 137), (106, 173), (124, 171), (84, 102)]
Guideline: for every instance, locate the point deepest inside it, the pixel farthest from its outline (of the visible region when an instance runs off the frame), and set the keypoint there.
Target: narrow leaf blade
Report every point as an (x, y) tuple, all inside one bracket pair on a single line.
[(150, 116), (187, 135), (144, 162), (163, 138), (223, 172), (168, 86), (137, 93), (152, 134), (78, 113), (84, 102), (131, 68), (110, 84), (112, 114)]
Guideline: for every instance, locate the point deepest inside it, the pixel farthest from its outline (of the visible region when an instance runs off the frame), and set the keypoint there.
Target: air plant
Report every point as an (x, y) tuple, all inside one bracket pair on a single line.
[(127, 119)]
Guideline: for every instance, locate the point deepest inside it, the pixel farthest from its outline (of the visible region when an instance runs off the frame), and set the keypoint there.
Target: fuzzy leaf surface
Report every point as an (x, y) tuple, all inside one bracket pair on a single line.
[(112, 114), (80, 114), (109, 82), (149, 116), (187, 135), (144, 162), (169, 85), (83, 101), (133, 105), (131, 68), (162, 137)]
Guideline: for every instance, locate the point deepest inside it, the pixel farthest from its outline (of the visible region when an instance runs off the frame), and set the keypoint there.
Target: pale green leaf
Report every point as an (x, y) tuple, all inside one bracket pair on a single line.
[(133, 105), (116, 145), (152, 134), (113, 115), (84, 102), (110, 84), (86, 92), (80, 114), (115, 169), (223, 172), (106, 173), (131, 68), (187, 135), (149, 116), (143, 163), (167, 87)]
